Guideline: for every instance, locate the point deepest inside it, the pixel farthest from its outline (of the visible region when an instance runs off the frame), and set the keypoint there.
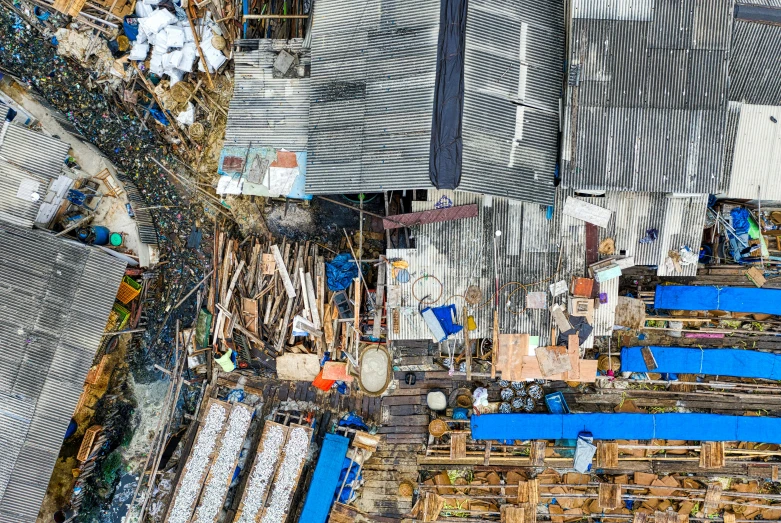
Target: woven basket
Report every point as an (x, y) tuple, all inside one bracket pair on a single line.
[(438, 428)]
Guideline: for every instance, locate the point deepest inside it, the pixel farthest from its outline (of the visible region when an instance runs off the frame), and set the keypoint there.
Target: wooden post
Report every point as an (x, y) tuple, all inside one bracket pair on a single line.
[(495, 349), (467, 346)]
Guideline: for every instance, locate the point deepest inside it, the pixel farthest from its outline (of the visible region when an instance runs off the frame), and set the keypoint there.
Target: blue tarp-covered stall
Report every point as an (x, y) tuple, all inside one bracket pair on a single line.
[(690, 427), (723, 362), (325, 480), (703, 298)]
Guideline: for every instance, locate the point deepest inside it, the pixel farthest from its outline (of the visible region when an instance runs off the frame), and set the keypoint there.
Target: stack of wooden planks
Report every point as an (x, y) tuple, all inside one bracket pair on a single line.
[(271, 300)]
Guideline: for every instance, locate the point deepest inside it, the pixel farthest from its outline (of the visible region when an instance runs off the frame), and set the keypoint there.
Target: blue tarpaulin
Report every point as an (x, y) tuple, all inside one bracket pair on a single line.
[(341, 272), (325, 480), (703, 298), (689, 427), (723, 362)]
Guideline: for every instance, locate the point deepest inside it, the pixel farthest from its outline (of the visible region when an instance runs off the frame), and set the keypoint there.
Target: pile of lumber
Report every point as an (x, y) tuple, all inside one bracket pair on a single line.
[(271, 305)]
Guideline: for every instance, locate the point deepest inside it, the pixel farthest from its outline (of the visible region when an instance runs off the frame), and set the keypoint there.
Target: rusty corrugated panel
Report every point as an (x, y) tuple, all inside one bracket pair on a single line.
[(55, 300), (447, 214)]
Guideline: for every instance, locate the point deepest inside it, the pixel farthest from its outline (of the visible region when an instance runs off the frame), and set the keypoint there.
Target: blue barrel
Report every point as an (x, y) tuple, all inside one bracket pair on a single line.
[(100, 235)]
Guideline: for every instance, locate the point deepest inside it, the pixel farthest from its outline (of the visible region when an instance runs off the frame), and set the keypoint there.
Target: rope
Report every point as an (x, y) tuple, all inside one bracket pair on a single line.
[(421, 300)]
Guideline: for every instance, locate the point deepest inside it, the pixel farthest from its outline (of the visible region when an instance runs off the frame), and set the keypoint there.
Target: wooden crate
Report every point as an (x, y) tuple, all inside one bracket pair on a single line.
[(86, 444)]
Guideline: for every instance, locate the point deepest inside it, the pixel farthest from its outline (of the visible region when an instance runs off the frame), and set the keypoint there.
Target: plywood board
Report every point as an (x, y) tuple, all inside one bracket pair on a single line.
[(553, 360), (573, 351), (531, 371), (630, 312), (512, 349), (298, 367)]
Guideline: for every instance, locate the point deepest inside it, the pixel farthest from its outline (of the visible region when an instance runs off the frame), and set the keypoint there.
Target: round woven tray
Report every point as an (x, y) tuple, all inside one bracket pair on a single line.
[(603, 363), (181, 92), (197, 131), (438, 428)]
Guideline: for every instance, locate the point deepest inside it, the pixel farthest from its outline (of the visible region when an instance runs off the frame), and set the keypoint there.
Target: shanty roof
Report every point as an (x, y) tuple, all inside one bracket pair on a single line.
[(513, 80), (374, 65), (267, 108), (755, 63), (33, 151), (21, 194), (647, 95), (678, 219), (55, 299), (451, 256)]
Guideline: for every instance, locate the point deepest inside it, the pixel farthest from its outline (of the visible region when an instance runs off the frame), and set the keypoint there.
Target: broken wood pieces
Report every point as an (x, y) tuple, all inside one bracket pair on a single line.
[(553, 360)]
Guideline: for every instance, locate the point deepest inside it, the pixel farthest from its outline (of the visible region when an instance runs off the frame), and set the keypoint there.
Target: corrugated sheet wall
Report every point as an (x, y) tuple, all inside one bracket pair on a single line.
[(266, 111), (461, 253), (647, 98), (513, 72), (34, 151), (373, 74), (55, 299)]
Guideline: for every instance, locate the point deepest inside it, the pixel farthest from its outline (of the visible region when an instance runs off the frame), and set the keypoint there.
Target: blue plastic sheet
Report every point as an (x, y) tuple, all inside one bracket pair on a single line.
[(341, 272), (734, 299), (740, 220), (325, 480), (681, 426), (724, 362)]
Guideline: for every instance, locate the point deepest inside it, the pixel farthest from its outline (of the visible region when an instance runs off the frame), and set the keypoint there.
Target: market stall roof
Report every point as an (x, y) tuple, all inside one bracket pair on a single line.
[(56, 297)]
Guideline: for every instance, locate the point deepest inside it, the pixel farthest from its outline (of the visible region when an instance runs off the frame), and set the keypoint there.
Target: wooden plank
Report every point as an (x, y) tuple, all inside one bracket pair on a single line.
[(573, 351), (610, 496), (712, 498), (495, 349), (553, 360), (531, 370), (268, 264), (458, 445), (512, 349), (512, 514), (467, 345), (648, 358), (537, 453), (298, 367), (607, 454), (289, 288), (712, 455), (250, 314), (379, 302)]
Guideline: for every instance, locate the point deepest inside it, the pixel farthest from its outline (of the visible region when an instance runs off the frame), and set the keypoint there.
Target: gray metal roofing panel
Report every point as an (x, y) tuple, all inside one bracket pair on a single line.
[(754, 63), (266, 111), (13, 209), (636, 10), (769, 3), (373, 75), (515, 60), (647, 112), (147, 230), (34, 151), (461, 253), (55, 298), (756, 153)]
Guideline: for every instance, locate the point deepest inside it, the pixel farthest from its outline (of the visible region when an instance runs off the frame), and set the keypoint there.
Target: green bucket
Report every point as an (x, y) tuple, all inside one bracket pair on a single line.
[(115, 239)]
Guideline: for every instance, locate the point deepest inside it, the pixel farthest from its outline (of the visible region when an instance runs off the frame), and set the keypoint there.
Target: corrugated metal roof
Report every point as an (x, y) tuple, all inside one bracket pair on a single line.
[(147, 231), (679, 220), (769, 3), (461, 253), (15, 209), (512, 78), (647, 100), (755, 166), (755, 62), (373, 73), (637, 10), (55, 297), (269, 111), (34, 151)]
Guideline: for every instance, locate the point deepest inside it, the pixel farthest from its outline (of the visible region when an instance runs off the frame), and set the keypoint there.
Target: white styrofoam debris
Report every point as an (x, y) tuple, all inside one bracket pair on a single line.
[(175, 36), (222, 470), (262, 472), (155, 22), (196, 465), (295, 452), (188, 33), (156, 62), (143, 10), (189, 55), (139, 51)]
